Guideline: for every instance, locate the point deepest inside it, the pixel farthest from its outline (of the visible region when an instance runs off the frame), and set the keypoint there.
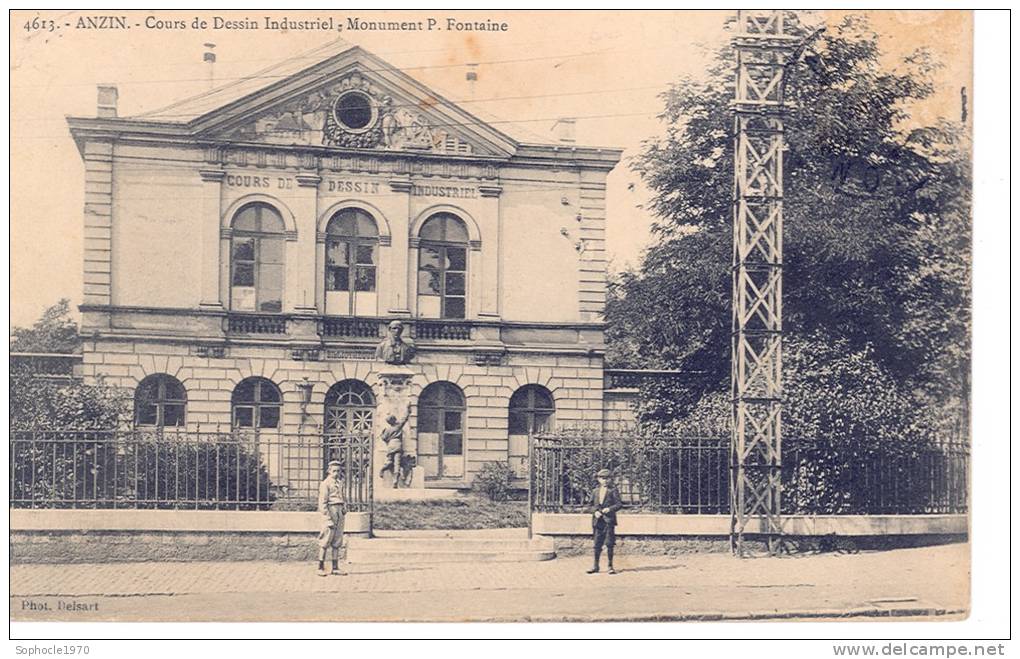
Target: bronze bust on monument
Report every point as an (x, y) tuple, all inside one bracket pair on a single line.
[(394, 349)]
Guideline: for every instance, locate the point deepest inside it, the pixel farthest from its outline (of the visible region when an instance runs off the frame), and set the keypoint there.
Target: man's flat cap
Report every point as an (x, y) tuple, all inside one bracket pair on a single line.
[(603, 472)]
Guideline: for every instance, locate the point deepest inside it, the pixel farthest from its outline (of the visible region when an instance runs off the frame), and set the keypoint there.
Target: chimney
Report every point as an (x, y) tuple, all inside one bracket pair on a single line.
[(472, 79), (106, 101), (209, 57), (564, 129)]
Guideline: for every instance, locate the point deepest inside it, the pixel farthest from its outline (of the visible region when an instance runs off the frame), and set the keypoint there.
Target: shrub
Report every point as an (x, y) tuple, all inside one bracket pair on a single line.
[(178, 474), (40, 404), (494, 481), (473, 512), (911, 475), (56, 469), (831, 389)]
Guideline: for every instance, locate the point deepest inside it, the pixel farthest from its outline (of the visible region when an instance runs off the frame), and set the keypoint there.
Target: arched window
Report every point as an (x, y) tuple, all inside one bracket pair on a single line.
[(442, 267), (256, 404), (441, 431), (349, 408), (256, 259), (532, 410), (352, 244), (160, 400)]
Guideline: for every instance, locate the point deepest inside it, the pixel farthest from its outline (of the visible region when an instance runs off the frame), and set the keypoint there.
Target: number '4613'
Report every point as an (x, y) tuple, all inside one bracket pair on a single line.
[(37, 24)]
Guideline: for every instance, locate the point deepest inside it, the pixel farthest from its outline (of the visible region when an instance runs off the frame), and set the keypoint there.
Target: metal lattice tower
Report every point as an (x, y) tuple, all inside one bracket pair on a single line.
[(762, 51)]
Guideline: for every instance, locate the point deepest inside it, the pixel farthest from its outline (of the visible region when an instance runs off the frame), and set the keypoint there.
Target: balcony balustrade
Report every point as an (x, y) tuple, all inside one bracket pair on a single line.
[(351, 328), (636, 378), (442, 330), (256, 324)]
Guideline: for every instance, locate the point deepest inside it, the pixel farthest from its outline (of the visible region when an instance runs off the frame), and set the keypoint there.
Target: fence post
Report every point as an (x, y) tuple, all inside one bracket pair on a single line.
[(531, 478), (370, 447)]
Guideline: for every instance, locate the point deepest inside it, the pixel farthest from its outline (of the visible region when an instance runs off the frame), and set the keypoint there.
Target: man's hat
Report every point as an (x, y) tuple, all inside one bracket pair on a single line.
[(395, 323), (603, 472), (335, 462)]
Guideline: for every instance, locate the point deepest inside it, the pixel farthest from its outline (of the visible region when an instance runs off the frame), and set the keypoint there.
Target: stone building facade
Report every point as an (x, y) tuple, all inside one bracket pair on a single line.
[(241, 263)]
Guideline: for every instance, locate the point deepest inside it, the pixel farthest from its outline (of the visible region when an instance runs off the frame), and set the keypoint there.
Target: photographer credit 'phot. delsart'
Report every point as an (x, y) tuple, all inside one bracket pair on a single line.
[(490, 316)]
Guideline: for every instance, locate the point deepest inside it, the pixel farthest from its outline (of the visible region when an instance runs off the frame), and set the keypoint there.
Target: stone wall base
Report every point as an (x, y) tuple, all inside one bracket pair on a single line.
[(135, 546), (661, 545)]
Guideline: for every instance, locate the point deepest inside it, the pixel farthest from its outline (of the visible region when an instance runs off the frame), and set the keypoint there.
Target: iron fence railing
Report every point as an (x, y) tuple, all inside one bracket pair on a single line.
[(874, 478), (668, 475), (690, 475), (233, 470)]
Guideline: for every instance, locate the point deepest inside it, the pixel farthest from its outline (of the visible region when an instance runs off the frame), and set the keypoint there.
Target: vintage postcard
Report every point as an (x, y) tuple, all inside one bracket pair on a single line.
[(467, 316)]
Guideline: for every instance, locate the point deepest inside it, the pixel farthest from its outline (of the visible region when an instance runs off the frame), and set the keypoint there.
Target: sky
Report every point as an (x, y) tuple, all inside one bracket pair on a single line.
[(606, 69)]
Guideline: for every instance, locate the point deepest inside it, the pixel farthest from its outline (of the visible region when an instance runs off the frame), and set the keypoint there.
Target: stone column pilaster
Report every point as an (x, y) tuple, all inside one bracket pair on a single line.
[(209, 240), (401, 262), (490, 253), (303, 274)]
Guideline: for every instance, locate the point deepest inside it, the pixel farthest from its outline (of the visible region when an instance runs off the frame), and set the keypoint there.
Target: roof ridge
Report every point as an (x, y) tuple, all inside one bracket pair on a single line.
[(204, 99)]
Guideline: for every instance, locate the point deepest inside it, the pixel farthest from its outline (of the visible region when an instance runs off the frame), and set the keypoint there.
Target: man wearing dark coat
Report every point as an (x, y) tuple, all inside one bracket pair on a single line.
[(605, 501)]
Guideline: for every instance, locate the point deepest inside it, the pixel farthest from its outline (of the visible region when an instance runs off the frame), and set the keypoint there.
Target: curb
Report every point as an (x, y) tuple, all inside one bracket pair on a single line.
[(730, 616)]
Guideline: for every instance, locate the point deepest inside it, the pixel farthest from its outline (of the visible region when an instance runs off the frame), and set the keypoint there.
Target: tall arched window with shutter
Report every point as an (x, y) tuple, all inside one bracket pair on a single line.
[(442, 267), (441, 413), (352, 254), (256, 259)]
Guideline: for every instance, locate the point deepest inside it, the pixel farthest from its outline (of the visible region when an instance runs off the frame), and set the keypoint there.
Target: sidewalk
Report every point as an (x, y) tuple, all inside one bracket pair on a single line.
[(905, 582)]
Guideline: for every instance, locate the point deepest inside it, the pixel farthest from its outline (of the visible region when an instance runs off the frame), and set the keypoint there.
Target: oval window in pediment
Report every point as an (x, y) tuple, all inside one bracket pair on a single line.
[(355, 111)]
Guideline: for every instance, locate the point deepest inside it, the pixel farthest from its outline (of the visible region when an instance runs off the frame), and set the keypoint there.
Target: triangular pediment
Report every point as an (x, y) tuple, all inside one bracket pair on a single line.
[(354, 100)]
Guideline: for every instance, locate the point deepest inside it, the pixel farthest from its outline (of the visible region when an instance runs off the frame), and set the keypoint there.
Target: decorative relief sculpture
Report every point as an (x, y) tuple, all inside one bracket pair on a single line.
[(403, 129), (353, 113)]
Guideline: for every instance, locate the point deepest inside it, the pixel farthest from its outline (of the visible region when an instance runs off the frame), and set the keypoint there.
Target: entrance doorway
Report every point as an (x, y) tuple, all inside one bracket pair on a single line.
[(348, 414)]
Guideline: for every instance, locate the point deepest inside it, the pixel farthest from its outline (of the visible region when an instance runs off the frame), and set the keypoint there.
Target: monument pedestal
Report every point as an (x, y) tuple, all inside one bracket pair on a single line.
[(383, 489), (395, 401)]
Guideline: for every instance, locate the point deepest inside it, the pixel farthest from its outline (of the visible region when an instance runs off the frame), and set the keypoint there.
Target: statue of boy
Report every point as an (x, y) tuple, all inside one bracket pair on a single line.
[(393, 437), (394, 349)]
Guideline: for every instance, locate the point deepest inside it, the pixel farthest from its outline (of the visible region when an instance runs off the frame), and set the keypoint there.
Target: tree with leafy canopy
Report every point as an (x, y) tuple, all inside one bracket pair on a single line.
[(41, 403), (876, 254), (54, 332)]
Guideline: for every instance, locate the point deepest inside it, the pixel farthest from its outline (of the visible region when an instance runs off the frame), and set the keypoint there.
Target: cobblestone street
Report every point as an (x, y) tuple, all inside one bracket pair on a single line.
[(903, 582)]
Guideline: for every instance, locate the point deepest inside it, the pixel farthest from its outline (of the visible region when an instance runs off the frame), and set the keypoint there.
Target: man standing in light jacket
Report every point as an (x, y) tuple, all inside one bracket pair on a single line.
[(332, 508)]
